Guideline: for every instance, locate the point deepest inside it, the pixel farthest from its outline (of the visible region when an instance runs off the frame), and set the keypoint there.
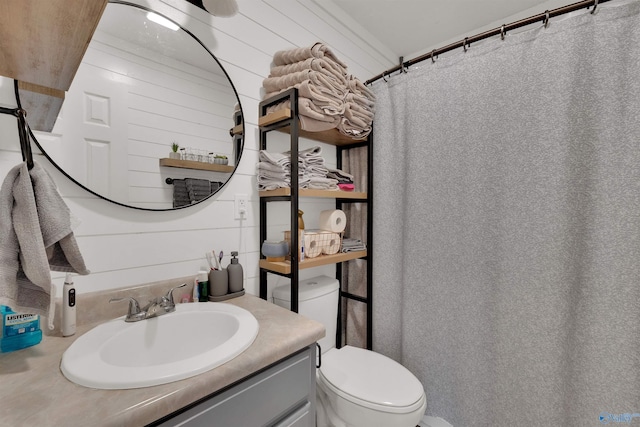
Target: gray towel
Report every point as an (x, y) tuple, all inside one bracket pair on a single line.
[(35, 237)]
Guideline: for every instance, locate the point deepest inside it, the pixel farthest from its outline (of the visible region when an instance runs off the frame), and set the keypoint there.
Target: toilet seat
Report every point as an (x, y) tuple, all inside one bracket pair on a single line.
[(371, 380)]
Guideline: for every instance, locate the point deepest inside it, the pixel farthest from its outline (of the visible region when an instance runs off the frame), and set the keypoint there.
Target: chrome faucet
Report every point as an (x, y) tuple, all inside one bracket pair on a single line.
[(156, 307)]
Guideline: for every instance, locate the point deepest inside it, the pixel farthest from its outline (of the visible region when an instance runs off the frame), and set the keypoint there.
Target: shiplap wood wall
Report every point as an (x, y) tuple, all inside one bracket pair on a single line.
[(124, 247)]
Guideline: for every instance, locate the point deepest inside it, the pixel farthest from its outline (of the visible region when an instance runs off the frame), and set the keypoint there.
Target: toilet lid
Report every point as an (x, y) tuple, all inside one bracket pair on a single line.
[(365, 376)]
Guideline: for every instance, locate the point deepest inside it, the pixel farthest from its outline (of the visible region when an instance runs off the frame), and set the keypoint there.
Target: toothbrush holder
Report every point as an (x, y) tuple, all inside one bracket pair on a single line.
[(218, 283)]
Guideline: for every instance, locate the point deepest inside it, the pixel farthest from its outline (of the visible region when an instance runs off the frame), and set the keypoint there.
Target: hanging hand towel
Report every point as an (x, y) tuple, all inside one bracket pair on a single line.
[(35, 237)]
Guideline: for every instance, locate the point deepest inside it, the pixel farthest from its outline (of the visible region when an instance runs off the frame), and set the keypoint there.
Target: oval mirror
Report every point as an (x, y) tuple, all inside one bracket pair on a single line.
[(144, 85)]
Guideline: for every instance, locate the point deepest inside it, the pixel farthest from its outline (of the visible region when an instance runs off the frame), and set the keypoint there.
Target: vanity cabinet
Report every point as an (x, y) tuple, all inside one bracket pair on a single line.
[(282, 395), (286, 120)]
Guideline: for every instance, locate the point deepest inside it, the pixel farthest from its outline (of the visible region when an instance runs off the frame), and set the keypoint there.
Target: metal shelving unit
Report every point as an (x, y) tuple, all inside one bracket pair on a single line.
[(286, 120)]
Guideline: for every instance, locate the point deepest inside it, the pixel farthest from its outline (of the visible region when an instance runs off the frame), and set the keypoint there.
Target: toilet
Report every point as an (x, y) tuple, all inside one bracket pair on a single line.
[(354, 387)]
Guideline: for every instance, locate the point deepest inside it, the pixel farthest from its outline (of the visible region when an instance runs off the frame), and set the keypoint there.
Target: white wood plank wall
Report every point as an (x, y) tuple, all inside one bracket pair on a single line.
[(124, 247)]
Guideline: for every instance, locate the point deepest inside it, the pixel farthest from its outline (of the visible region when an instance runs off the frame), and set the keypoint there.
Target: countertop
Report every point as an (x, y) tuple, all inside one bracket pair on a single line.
[(33, 391)]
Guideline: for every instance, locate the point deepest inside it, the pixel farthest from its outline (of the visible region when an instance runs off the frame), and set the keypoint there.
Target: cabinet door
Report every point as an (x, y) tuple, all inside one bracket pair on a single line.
[(281, 393)]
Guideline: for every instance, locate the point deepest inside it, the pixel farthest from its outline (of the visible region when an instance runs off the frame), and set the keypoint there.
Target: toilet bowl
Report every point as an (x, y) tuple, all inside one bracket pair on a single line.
[(354, 387)]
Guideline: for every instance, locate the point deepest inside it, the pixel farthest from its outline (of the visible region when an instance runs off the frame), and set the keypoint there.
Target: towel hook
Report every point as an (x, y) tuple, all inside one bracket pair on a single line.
[(595, 4), (502, 33), (546, 18)]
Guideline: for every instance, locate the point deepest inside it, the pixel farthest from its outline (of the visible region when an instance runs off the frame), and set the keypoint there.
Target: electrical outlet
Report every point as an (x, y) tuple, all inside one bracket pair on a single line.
[(241, 206)]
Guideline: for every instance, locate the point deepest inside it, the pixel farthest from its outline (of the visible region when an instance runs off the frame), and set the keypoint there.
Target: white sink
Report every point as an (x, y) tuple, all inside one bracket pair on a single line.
[(195, 338)]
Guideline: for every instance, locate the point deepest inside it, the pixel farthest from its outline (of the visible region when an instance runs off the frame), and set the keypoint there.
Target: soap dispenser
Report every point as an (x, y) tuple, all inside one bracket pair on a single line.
[(236, 275)]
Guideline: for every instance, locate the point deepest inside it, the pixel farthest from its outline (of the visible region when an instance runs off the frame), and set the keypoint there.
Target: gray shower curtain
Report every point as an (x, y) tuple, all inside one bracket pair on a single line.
[(507, 222)]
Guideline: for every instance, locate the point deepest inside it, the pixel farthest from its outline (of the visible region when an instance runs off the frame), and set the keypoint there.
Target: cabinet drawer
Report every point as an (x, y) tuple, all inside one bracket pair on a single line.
[(259, 400), (300, 418)]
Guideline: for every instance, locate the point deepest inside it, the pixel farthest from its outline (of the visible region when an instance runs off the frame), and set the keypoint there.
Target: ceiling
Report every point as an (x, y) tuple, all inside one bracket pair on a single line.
[(412, 27)]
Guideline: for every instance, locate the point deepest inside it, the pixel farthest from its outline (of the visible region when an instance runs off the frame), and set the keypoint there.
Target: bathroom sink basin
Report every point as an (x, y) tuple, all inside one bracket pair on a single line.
[(195, 338)]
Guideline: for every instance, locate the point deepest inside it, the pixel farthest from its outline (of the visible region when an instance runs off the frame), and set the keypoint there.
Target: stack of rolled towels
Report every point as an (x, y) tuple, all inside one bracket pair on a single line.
[(328, 97), (274, 170)]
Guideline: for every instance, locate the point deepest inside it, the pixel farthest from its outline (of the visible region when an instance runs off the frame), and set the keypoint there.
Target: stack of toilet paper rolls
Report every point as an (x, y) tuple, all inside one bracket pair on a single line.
[(327, 239)]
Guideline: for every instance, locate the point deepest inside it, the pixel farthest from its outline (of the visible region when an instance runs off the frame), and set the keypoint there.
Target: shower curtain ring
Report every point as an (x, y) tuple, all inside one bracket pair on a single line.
[(502, 32), (464, 43), (546, 18), (433, 60), (595, 4), (385, 80)]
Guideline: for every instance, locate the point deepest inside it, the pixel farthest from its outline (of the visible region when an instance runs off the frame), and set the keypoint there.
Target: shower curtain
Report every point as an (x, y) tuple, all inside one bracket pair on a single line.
[(507, 222)]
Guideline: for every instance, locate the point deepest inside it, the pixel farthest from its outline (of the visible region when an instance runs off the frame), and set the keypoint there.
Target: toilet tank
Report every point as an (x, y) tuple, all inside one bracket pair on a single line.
[(317, 300)]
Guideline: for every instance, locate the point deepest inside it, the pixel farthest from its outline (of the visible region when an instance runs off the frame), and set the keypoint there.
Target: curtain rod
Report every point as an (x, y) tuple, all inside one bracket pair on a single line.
[(544, 17)]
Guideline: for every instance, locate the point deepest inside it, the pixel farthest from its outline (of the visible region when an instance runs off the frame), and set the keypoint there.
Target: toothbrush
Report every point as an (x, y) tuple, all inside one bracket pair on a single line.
[(209, 256), (216, 259), (220, 257)]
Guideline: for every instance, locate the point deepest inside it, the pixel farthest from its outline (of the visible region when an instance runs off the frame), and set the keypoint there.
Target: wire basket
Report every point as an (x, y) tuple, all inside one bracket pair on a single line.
[(316, 242)]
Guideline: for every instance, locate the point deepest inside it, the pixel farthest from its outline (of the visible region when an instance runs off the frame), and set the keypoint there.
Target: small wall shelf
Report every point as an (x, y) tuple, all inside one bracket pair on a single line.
[(190, 164)]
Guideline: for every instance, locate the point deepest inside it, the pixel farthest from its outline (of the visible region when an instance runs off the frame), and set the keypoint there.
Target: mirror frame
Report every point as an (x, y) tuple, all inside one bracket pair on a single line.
[(238, 139)]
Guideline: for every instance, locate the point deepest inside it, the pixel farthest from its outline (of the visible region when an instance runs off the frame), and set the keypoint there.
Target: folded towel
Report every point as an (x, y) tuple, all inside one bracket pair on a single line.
[(352, 245), (341, 176), (274, 158), (271, 168), (335, 86), (35, 237), (330, 68), (198, 189), (318, 50), (313, 118), (321, 183)]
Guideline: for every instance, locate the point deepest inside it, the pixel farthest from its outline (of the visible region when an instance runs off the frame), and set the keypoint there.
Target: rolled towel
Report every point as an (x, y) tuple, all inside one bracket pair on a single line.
[(360, 89), (318, 50), (358, 116), (348, 128)]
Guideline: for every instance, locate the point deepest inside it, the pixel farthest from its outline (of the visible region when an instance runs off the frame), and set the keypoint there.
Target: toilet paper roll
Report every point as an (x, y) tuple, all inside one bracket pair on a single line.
[(333, 220), (331, 244), (312, 245)]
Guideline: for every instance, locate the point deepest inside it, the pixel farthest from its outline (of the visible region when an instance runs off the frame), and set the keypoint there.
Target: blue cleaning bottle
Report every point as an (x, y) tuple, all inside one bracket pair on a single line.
[(18, 330)]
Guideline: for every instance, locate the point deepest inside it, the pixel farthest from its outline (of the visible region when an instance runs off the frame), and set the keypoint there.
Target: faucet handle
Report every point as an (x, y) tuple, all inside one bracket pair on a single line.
[(135, 313), (169, 296)]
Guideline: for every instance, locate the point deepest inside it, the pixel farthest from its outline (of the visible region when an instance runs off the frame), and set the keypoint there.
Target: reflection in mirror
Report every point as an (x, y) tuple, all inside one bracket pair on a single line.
[(144, 85)]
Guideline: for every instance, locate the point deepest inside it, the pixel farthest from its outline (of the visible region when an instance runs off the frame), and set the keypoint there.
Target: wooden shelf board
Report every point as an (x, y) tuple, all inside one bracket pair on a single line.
[(43, 42), (328, 194), (237, 130), (189, 164), (274, 117), (331, 136), (285, 266)]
